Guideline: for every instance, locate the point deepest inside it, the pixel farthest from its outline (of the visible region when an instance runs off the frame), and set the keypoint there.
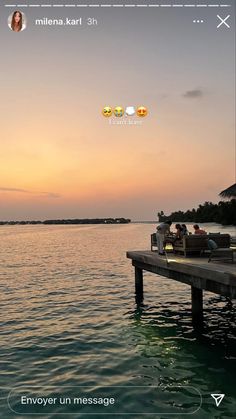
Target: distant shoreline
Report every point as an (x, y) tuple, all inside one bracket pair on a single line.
[(70, 221), (223, 213), (101, 221), (184, 221)]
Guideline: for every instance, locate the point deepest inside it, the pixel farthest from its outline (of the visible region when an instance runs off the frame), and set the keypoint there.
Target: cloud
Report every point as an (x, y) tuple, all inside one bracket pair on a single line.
[(14, 190), (51, 195), (44, 194), (193, 94)]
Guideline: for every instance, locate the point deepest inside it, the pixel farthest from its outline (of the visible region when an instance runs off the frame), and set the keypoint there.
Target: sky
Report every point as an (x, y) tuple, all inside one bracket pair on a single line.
[(60, 158)]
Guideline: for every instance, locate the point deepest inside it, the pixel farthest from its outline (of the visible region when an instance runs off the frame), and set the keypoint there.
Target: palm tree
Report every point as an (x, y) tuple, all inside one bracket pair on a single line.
[(229, 192)]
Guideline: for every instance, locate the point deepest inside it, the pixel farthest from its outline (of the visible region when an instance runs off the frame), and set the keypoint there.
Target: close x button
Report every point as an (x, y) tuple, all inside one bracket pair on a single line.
[(223, 22)]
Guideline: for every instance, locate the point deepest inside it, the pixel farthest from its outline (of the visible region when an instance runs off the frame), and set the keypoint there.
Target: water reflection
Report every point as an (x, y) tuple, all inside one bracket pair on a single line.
[(68, 316)]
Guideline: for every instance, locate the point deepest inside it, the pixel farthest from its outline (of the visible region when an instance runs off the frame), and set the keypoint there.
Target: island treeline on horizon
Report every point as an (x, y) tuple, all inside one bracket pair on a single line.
[(222, 213), (71, 221)]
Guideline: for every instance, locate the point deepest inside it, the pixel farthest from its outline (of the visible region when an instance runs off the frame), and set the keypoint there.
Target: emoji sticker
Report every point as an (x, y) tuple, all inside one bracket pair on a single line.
[(119, 111), (130, 111), (142, 111), (107, 111)]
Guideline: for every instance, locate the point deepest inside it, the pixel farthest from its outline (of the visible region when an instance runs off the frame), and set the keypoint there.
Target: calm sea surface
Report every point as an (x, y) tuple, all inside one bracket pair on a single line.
[(69, 319)]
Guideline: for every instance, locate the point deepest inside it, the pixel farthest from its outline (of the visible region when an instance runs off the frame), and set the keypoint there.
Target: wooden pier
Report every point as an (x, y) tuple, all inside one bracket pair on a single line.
[(216, 277)]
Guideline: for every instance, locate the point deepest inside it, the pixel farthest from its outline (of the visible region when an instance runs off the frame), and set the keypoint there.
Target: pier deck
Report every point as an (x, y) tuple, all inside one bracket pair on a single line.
[(217, 277)]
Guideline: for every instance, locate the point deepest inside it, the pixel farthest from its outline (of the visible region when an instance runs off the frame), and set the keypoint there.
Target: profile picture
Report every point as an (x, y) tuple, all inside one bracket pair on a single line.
[(17, 21)]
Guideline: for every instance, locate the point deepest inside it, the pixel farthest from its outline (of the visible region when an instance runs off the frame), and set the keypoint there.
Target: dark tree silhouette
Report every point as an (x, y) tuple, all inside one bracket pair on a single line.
[(222, 213)]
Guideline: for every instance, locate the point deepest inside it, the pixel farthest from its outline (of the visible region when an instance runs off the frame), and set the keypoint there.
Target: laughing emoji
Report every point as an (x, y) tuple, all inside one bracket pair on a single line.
[(119, 111)]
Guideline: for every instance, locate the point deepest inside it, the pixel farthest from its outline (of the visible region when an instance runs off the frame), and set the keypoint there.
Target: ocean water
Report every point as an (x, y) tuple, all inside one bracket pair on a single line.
[(69, 324)]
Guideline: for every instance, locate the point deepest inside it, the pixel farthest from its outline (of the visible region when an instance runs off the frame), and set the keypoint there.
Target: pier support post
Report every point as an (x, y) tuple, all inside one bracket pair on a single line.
[(138, 285), (197, 306)]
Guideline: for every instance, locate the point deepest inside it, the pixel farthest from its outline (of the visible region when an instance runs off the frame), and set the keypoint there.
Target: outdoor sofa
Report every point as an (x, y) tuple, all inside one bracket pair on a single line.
[(198, 244)]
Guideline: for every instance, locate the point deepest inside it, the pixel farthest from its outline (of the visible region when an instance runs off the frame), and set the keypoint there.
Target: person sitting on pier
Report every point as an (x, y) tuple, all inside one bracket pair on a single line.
[(198, 230), (163, 230), (179, 232), (184, 230), (178, 235)]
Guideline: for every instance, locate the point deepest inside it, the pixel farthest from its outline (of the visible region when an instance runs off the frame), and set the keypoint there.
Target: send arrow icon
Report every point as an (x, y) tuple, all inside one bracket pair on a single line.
[(218, 398)]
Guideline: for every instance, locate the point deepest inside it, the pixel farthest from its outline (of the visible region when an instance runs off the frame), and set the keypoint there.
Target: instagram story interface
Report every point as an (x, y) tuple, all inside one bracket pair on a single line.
[(117, 208)]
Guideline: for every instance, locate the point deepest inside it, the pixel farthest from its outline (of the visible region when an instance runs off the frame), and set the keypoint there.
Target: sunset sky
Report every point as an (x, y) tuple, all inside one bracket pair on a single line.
[(60, 158)]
